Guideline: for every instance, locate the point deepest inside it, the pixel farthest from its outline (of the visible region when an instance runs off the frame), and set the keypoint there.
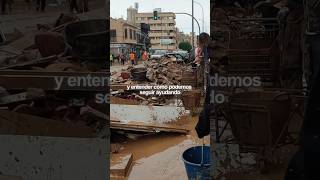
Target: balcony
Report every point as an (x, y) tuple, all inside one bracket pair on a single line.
[(162, 35), (157, 41), (113, 39), (160, 28), (160, 21), (164, 47)]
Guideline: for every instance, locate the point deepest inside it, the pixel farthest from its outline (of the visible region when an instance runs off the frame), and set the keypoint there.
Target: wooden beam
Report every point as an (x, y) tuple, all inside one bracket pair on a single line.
[(23, 124), (121, 164), (114, 124)]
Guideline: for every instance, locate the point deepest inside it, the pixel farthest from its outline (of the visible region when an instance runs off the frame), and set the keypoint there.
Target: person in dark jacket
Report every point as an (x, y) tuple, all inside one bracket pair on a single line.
[(304, 164)]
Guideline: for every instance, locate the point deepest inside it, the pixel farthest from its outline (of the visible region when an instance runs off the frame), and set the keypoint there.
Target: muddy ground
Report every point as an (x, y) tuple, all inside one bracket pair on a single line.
[(158, 156)]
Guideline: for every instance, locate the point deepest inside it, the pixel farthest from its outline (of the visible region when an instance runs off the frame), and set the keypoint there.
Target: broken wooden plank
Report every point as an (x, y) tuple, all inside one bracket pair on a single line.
[(26, 42), (87, 110), (24, 124), (121, 164), (4, 177), (148, 128), (31, 94), (38, 62), (23, 79)]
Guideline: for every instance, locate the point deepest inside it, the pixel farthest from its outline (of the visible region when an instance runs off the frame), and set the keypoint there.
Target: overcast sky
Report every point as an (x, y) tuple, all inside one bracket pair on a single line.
[(118, 9)]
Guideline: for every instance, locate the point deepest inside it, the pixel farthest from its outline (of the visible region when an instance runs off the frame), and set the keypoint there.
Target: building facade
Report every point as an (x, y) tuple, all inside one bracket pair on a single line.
[(125, 37), (163, 32)]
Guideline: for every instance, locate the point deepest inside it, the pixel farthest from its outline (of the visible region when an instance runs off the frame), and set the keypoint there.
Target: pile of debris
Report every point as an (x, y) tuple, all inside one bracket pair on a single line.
[(50, 47), (166, 71), (37, 96)]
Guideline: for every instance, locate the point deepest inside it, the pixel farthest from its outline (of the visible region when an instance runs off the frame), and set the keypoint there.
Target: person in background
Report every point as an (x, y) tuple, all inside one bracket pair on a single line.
[(198, 55), (145, 55), (137, 56), (111, 59), (132, 58), (41, 5), (122, 58)]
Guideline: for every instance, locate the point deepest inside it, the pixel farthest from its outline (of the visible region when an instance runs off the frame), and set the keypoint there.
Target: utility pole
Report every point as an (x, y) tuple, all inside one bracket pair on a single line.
[(202, 14), (192, 23), (192, 18)]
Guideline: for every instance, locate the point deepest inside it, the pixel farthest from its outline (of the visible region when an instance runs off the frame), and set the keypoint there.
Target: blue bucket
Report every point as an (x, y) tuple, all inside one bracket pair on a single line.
[(192, 161)]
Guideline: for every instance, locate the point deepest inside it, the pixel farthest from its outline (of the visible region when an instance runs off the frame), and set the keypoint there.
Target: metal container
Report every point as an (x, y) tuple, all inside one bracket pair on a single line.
[(88, 39), (259, 118), (139, 74)]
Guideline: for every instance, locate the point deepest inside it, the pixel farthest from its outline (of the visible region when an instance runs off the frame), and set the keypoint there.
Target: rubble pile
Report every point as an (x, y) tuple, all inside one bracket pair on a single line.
[(32, 69), (166, 71)]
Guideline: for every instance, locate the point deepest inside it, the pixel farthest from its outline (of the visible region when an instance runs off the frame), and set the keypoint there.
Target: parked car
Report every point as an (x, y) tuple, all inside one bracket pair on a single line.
[(184, 54), (158, 54), (178, 57)]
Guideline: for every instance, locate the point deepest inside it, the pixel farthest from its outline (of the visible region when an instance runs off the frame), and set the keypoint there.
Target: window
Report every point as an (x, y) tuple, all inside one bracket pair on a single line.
[(134, 35), (130, 33), (113, 33), (126, 33)]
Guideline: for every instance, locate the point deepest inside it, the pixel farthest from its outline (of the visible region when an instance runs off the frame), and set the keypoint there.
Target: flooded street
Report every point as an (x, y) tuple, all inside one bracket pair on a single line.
[(159, 156), (165, 165)]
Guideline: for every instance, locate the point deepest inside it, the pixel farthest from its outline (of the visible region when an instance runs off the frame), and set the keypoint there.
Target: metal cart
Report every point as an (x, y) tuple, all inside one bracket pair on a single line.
[(258, 119)]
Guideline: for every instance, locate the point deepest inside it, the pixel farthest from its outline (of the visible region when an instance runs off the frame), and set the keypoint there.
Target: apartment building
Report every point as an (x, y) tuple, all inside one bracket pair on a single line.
[(163, 32), (124, 36)]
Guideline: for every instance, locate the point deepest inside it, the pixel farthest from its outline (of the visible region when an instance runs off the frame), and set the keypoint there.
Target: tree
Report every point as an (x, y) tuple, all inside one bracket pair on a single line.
[(186, 46)]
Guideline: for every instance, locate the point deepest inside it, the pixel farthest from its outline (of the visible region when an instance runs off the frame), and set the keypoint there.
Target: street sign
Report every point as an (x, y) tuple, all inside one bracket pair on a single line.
[(165, 41)]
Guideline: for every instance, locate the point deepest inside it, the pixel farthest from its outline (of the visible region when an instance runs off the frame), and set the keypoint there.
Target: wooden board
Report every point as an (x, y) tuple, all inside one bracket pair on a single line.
[(25, 42), (2, 177), (121, 164), (23, 124), (114, 124)]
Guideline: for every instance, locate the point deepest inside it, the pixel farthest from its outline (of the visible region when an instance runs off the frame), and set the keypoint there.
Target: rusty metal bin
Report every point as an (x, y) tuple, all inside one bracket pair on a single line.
[(89, 38), (191, 99), (189, 78), (259, 118)]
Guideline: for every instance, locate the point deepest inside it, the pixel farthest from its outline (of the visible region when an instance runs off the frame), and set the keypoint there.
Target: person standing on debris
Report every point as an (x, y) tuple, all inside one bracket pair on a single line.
[(137, 56), (122, 58), (41, 5), (198, 55), (198, 64), (111, 59), (145, 55), (132, 58)]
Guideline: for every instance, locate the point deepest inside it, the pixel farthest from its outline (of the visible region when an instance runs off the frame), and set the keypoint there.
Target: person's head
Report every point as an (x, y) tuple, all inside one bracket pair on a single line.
[(204, 39)]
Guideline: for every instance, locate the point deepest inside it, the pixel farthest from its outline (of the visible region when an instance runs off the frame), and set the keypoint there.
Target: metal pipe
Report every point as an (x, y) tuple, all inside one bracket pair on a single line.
[(192, 23), (193, 18), (202, 14)]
